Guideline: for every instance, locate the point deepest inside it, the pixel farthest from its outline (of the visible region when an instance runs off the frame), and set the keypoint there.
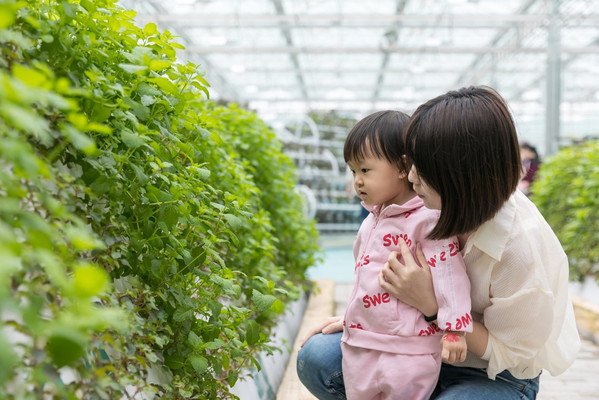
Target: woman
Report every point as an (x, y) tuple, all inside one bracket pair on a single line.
[(465, 160)]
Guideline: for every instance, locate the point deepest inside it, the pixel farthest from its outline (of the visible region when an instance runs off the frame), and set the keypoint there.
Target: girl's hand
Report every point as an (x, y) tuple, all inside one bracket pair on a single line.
[(453, 347), (330, 325), (410, 282)]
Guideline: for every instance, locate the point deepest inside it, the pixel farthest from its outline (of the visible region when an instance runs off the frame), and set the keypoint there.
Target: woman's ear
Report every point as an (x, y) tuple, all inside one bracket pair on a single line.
[(406, 163), (403, 172)]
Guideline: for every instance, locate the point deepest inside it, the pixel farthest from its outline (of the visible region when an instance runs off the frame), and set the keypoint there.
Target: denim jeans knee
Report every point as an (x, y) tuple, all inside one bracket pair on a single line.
[(473, 383), (319, 366)]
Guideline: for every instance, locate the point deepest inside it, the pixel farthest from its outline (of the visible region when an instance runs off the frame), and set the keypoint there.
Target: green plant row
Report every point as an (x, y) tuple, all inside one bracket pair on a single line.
[(567, 194), (149, 237)]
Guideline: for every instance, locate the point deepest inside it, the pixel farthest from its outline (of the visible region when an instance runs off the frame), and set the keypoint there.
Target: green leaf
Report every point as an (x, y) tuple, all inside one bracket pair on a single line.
[(170, 216), (174, 361), (82, 239), (66, 346), (199, 363), (182, 314), (194, 340), (147, 100), (204, 173), (132, 68), (234, 221), (142, 112), (252, 331), (277, 306), (166, 85), (200, 87), (26, 120), (232, 378), (53, 268), (148, 90), (131, 139), (139, 173), (262, 301), (28, 75), (8, 360), (7, 15), (89, 280), (81, 141), (70, 10), (159, 65), (150, 29)]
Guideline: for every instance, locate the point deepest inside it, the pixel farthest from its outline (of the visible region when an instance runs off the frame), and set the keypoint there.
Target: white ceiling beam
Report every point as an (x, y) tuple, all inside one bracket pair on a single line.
[(367, 20), (266, 69), (208, 50)]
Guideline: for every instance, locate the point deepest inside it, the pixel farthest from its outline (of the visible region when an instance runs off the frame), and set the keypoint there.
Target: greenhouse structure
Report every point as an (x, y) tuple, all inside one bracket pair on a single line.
[(177, 215)]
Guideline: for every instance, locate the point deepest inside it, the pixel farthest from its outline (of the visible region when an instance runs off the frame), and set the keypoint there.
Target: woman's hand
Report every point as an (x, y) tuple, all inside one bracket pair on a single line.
[(410, 282), (330, 325)]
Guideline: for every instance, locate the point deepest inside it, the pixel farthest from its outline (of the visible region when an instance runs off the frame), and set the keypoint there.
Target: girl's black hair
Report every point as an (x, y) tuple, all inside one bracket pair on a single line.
[(381, 135), (464, 146)]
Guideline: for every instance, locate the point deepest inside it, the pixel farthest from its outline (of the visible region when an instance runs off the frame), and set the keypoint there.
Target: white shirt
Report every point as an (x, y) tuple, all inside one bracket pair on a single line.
[(519, 289)]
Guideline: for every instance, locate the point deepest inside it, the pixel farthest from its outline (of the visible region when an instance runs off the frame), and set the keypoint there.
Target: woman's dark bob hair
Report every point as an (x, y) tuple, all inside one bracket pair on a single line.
[(464, 145), (379, 134)]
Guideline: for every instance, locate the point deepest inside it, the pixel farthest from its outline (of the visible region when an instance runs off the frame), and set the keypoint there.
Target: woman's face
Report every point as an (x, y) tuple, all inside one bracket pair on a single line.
[(428, 195)]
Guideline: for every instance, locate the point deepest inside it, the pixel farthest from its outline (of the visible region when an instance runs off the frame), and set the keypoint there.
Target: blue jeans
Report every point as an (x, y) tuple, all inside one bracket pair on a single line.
[(319, 369), (319, 366)]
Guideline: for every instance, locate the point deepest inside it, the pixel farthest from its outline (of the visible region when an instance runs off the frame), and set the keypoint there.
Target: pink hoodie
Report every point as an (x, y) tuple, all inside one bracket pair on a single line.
[(376, 320)]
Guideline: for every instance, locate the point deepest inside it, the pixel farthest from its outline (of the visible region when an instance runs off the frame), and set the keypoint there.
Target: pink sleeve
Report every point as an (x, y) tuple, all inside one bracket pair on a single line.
[(452, 287)]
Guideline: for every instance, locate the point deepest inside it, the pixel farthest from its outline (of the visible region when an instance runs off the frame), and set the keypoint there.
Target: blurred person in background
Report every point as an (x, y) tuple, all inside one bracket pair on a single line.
[(530, 164)]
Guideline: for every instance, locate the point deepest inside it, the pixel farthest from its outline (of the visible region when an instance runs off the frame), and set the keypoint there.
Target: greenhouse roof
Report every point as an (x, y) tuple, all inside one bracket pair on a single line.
[(283, 57)]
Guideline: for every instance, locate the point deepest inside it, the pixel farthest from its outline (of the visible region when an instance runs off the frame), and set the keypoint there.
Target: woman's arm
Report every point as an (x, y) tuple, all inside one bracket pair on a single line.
[(477, 340)]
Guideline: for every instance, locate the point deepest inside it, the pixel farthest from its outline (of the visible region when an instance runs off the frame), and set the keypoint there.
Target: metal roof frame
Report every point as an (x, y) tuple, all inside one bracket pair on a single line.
[(290, 57)]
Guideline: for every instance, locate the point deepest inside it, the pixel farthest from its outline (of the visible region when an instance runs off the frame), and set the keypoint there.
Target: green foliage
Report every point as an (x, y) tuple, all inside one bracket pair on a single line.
[(567, 194), (150, 238)]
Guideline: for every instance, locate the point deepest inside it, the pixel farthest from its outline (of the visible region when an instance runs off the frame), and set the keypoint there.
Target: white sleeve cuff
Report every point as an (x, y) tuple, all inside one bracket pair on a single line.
[(487, 354)]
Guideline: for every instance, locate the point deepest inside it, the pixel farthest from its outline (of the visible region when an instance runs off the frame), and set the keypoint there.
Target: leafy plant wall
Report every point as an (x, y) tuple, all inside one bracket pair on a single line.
[(567, 194), (149, 238)]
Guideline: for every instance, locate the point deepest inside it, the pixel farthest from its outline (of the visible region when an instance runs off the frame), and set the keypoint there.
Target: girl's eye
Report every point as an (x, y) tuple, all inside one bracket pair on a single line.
[(364, 170)]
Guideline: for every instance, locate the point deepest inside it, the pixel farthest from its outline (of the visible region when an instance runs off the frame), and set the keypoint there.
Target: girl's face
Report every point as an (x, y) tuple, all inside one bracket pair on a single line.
[(429, 196), (378, 182)]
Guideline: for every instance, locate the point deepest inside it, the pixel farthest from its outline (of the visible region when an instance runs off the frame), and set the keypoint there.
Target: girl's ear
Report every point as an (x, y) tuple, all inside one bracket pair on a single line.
[(403, 174)]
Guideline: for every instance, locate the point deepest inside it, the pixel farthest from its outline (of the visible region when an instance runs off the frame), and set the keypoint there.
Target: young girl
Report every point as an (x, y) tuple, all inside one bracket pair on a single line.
[(390, 349)]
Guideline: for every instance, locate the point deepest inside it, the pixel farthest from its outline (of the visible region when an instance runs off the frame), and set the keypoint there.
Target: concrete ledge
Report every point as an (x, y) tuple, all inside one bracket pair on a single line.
[(587, 319), (321, 305)]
